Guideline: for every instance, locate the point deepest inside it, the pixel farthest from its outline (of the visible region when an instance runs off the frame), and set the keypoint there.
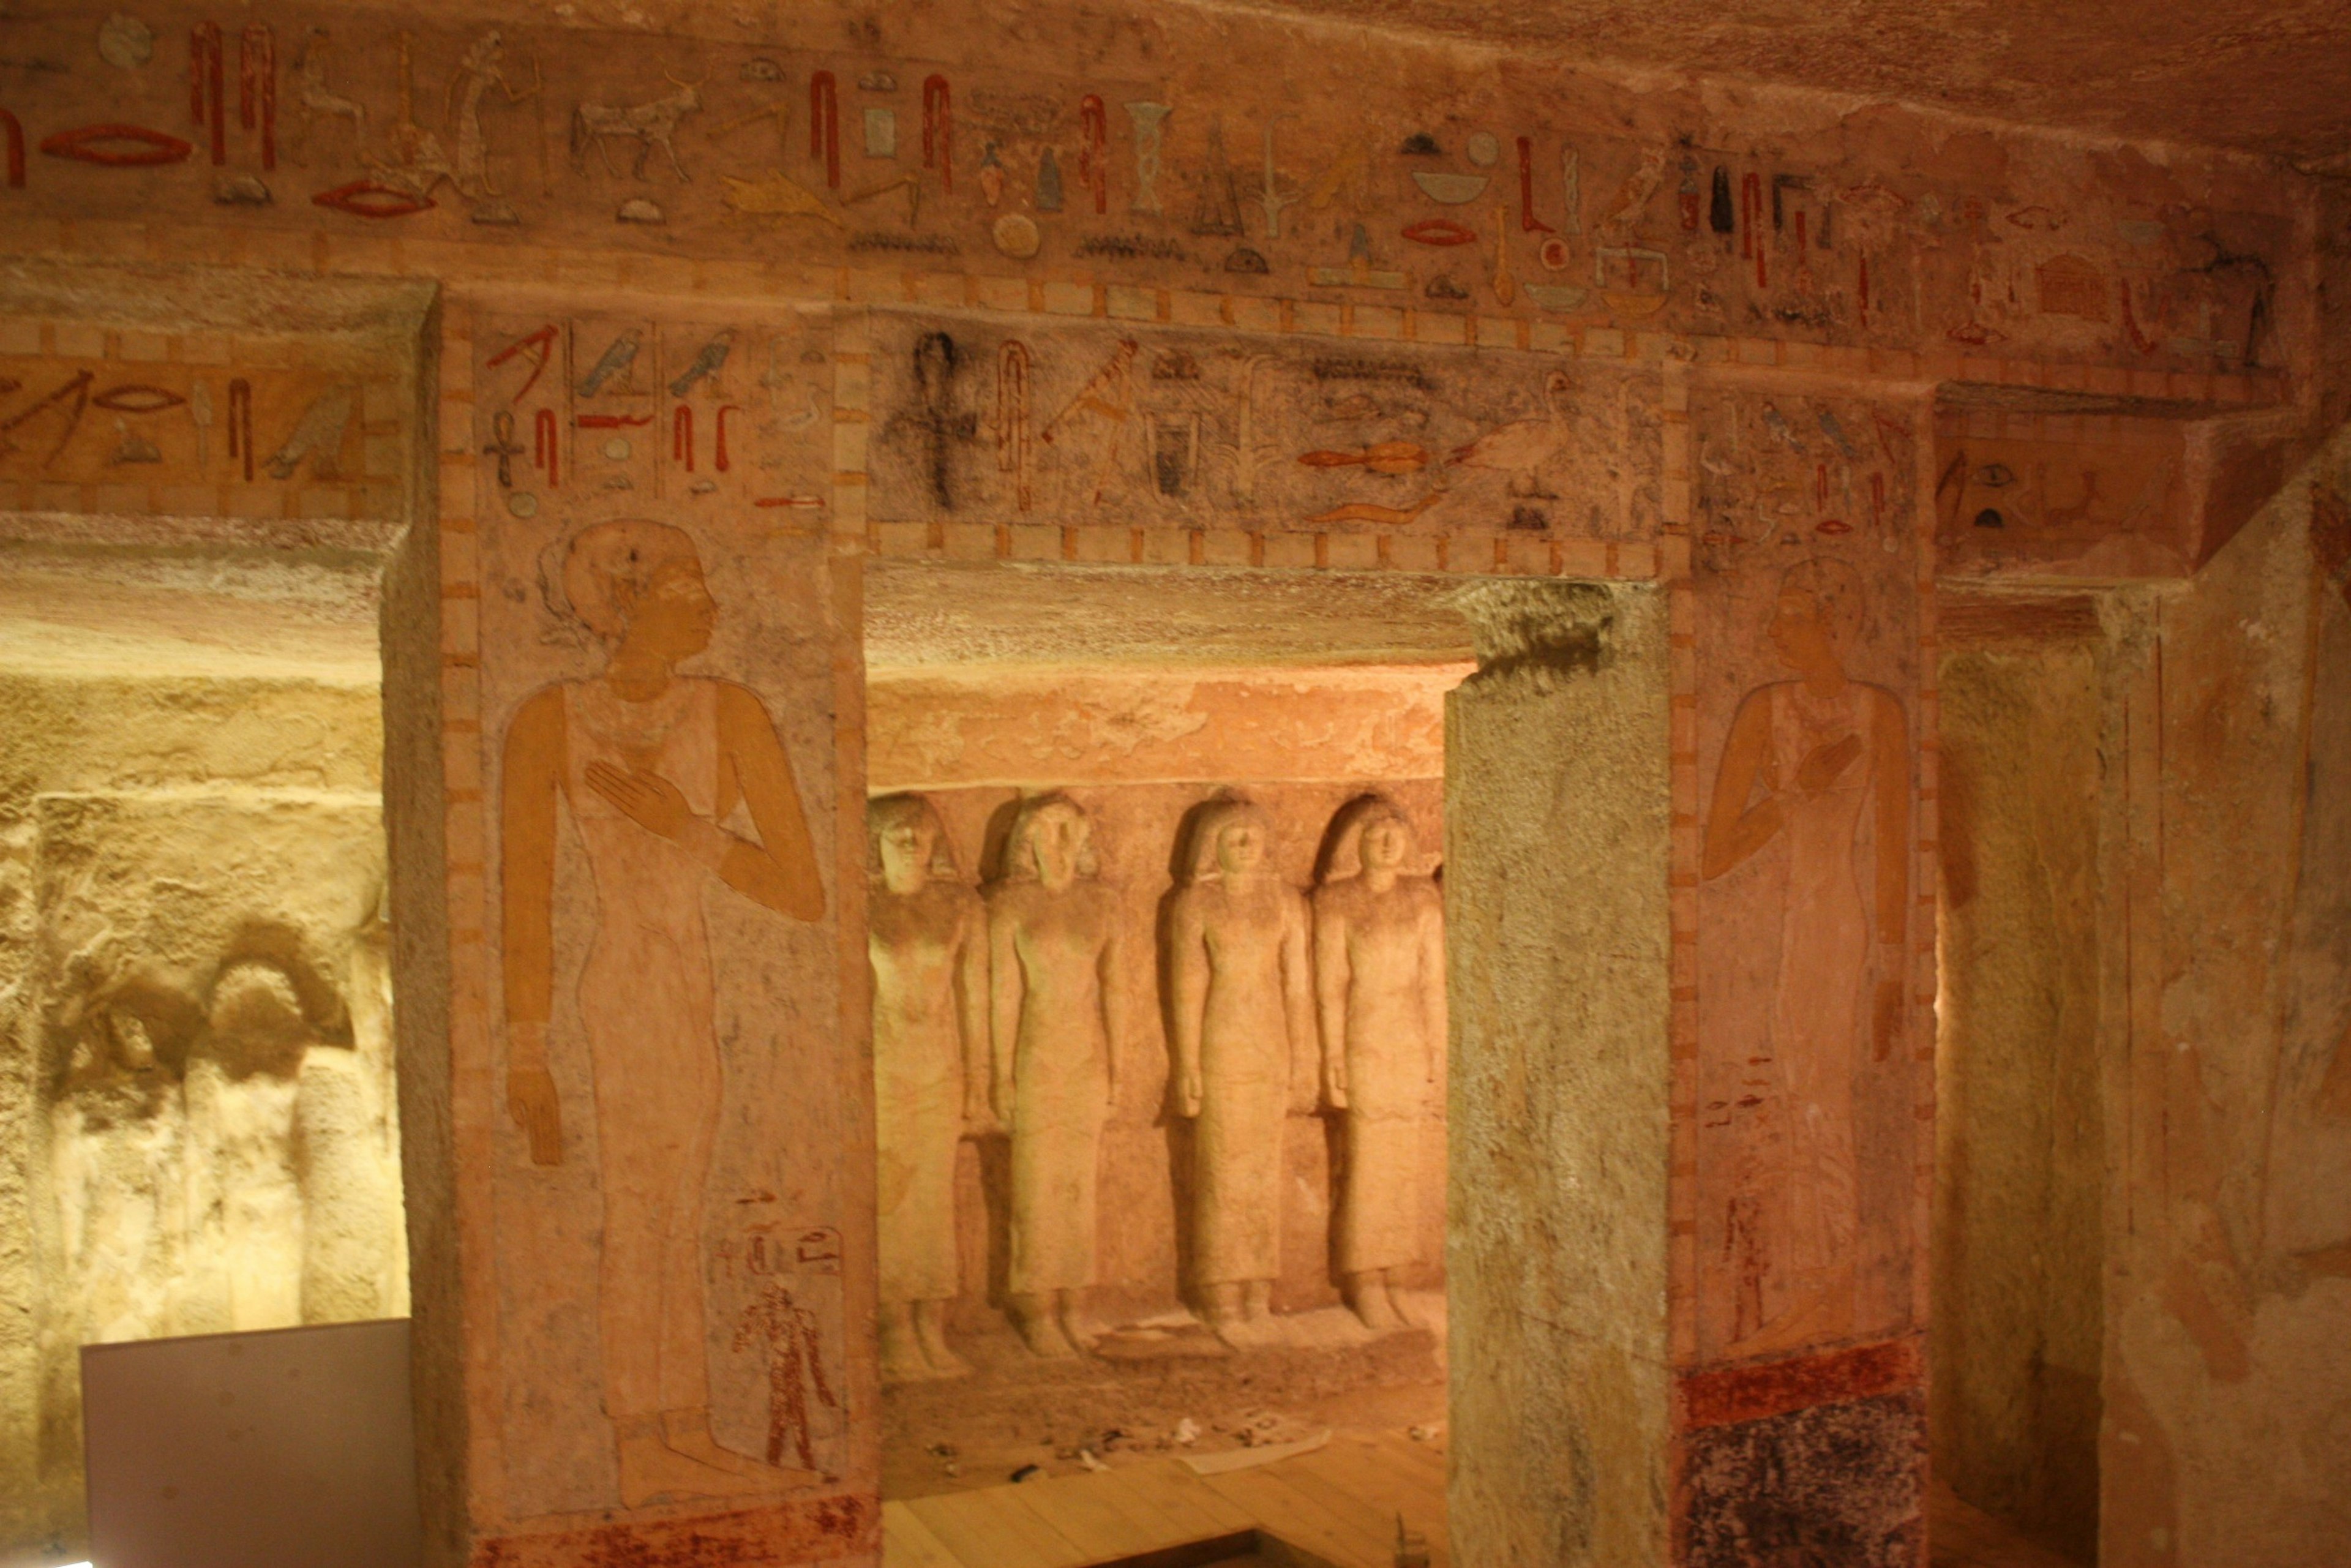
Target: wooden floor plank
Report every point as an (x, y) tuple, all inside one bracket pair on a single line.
[(907, 1541), (1371, 1518), (1379, 1487), (1187, 1499), (1087, 1509), (1345, 1536), (991, 1528)]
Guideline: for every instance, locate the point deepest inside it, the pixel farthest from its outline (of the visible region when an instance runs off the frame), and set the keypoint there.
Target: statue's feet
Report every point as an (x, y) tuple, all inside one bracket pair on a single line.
[(1041, 1331), (906, 1364), (1404, 1316), (939, 1357), (1368, 1294)]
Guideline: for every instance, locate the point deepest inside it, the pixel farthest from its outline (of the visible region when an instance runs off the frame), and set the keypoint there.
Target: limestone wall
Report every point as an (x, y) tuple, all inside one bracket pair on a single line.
[(2225, 1372)]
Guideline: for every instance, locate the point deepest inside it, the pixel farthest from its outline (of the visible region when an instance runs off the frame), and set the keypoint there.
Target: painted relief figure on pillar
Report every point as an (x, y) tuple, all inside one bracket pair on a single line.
[(649, 764), (1818, 765), (1056, 977), (1243, 1006), (927, 934), (1379, 978)]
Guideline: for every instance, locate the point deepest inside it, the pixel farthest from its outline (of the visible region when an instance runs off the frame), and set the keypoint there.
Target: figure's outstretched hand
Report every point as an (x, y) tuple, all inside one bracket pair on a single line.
[(1335, 1090), (1189, 1092), (531, 1102), (648, 800)]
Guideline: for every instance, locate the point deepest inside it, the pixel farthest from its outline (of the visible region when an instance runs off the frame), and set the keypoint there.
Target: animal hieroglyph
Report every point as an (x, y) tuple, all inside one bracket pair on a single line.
[(650, 124)]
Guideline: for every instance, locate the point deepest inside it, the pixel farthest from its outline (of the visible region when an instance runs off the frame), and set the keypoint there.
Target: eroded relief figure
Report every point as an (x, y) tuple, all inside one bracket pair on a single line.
[(1379, 968), (1056, 966), (245, 1186), (927, 934), (1243, 1005), (118, 1129), (1818, 765), (647, 763)]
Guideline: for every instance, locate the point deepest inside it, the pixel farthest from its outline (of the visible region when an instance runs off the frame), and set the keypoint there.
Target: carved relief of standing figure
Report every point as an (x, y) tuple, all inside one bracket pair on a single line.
[(1243, 1005), (1808, 763), (927, 934), (648, 764), (1379, 968), (1056, 972)]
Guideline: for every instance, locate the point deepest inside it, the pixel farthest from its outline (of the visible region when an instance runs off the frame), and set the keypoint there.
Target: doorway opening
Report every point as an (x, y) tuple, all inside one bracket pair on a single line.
[(2031, 822), (1225, 1276)]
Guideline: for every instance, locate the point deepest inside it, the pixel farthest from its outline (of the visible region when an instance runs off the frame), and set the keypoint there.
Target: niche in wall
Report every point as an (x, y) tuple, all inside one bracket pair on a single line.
[(198, 1125), (1135, 807)]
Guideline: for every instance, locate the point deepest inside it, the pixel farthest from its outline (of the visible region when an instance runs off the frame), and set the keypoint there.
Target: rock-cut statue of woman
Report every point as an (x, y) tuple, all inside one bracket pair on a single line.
[(1379, 978), (1056, 975), (1243, 1006), (927, 934), (648, 763)]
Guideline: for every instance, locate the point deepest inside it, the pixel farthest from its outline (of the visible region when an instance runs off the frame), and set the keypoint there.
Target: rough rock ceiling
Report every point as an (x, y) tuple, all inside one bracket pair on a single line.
[(2264, 76)]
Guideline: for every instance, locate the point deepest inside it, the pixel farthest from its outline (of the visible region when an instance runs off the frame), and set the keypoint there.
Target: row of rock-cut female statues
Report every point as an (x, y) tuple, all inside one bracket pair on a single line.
[(1003, 1012)]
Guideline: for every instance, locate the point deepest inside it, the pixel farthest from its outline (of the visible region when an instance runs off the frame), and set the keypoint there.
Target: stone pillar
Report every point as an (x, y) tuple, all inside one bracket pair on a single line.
[(1803, 929), (643, 1171), (1556, 843), (1691, 940)]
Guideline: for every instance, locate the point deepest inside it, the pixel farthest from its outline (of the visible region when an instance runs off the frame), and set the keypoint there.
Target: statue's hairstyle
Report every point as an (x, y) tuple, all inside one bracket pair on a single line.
[(1840, 600), (609, 566), (1019, 858), (899, 811), (1210, 825), (1344, 856)]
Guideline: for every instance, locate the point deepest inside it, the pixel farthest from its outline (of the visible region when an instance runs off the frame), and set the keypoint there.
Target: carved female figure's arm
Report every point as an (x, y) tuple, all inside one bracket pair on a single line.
[(779, 869), (1890, 786), (530, 778), (1005, 981), (1298, 999), (1331, 975), (1735, 830), (1432, 988), (1188, 968), (1111, 975), (969, 971)]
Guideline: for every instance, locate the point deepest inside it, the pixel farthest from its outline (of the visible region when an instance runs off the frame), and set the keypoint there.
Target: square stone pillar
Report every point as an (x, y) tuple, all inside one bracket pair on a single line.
[(640, 1153), (1803, 951), (1691, 934), (1557, 943)]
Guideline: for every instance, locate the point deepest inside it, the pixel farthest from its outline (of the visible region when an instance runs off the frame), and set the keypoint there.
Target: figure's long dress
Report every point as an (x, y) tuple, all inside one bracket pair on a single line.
[(646, 1002), (1245, 1090), (1388, 1053), (1804, 1177), (1059, 1087), (917, 1076)]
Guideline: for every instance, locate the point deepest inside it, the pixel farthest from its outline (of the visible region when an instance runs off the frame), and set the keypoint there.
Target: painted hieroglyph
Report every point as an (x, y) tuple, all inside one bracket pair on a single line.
[(1072, 426)]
